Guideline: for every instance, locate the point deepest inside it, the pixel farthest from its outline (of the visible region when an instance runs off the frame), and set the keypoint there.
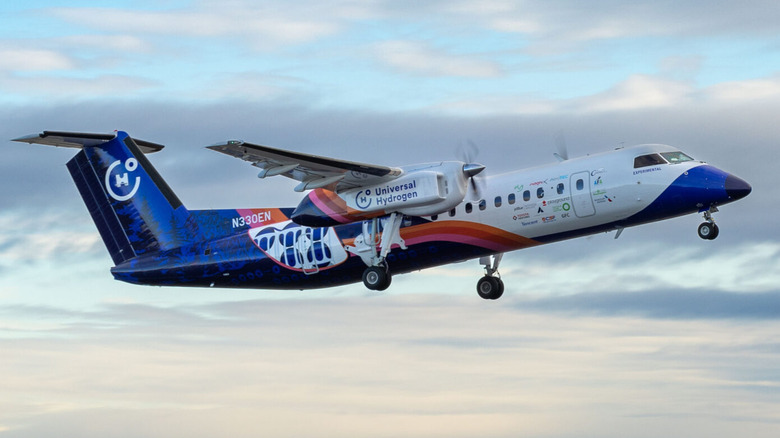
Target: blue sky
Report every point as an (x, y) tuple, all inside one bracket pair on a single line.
[(655, 333)]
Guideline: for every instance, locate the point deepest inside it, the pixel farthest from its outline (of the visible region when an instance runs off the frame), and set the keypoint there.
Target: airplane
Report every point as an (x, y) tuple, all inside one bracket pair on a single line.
[(364, 222)]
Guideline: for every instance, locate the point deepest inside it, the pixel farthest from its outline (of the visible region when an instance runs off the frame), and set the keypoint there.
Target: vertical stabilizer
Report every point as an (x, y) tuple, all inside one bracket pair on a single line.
[(134, 209)]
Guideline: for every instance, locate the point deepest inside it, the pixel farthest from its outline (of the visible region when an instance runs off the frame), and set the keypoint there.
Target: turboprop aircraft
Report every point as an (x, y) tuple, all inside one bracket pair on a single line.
[(368, 222)]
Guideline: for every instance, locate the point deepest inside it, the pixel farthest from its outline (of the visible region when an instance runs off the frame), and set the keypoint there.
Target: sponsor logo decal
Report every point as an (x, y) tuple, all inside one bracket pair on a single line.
[(384, 196), (362, 200)]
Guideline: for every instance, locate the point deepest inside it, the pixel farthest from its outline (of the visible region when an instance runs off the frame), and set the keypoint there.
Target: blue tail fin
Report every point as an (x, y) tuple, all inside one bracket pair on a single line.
[(135, 211)]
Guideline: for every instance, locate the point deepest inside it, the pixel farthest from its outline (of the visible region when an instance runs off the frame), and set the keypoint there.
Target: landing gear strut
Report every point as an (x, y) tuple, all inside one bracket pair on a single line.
[(377, 274), (708, 230), (491, 287)]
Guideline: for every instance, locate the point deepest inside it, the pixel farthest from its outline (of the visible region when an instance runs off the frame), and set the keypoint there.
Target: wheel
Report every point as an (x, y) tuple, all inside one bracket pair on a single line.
[(386, 284), (376, 278), (500, 289), (490, 288), (708, 231)]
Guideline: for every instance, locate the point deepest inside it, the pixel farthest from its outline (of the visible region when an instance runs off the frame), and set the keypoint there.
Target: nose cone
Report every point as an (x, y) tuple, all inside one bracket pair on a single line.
[(736, 188)]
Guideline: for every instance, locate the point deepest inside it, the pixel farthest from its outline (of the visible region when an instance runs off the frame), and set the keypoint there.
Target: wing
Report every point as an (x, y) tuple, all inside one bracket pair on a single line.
[(82, 139), (313, 171)]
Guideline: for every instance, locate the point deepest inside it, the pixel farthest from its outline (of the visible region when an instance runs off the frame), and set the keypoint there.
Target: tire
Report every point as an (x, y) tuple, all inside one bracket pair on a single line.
[(490, 288), (708, 231), (376, 278)]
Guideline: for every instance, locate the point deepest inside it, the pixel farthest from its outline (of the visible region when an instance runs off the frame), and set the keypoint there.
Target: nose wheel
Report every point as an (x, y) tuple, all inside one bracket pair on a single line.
[(490, 287), (708, 230)]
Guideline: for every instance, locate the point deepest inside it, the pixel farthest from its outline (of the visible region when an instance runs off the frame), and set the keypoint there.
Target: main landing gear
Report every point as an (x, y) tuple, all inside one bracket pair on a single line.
[(490, 287), (708, 230), (377, 275)]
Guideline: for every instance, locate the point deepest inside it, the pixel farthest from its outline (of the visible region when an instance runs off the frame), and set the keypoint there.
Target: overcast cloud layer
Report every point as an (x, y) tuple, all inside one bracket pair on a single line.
[(656, 333)]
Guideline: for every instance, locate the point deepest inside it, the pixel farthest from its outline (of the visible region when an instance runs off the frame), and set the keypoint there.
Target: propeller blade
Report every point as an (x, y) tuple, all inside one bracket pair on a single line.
[(468, 154), (560, 143)]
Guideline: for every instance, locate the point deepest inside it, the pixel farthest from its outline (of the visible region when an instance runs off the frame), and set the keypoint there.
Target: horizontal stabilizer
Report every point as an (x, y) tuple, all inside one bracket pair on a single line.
[(80, 140)]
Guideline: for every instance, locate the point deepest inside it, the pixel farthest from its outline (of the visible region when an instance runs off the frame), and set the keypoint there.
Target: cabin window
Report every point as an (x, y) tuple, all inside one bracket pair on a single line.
[(435, 217), (648, 160), (540, 192), (469, 208), (676, 157), (559, 189), (482, 204), (580, 184), (527, 195), (511, 198), (452, 212), (497, 201)]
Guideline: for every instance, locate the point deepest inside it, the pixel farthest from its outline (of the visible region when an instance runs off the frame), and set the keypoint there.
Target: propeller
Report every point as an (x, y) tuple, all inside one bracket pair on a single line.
[(560, 143), (472, 170)]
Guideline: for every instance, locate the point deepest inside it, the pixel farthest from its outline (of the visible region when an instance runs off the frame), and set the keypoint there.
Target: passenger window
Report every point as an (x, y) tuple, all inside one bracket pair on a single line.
[(511, 198), (452, 212), (580, 184), (482, 204), (560, 188), (469, 208), (540, 192), (497, 201), (527, 195), (648, 160), (435, 217)]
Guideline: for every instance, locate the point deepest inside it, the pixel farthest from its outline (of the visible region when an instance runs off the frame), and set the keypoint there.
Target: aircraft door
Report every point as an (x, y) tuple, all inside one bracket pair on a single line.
[(581, 199)]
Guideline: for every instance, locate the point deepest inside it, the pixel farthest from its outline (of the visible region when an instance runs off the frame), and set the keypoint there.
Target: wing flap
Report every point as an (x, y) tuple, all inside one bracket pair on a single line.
[(313, 171)]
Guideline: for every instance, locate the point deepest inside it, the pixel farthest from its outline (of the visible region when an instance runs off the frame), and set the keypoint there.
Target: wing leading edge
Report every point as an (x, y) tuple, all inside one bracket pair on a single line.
[(313, 171)]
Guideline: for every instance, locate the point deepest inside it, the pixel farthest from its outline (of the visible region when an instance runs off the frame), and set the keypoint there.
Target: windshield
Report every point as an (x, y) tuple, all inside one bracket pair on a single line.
[(648, 160), (676, 157)]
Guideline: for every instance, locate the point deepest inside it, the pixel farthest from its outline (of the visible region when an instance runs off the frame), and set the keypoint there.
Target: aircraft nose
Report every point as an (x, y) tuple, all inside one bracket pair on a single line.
[(736, 188)]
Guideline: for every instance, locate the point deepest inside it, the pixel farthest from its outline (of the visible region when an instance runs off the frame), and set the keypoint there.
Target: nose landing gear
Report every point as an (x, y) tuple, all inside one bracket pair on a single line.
[(708, 230), (491, 287)]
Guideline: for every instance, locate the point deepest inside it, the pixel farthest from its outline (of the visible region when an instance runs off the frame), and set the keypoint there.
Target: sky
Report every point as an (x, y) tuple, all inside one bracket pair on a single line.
[(656, 333)]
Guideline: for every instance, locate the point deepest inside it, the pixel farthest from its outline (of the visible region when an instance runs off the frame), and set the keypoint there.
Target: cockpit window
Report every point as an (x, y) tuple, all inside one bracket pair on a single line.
[(676, 157), (648, 160)]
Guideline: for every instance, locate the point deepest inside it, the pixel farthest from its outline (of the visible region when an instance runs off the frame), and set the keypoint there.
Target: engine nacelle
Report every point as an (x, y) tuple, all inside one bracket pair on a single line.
[(421, 190)]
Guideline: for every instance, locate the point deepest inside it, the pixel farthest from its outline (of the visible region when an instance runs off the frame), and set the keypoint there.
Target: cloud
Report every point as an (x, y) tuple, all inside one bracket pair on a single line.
[(571, 22), (754, 90), (59, 88), (637, 92), (263, 26), (416, 58), (666, 303), (111, 43), (419, 365), (34, 60)]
